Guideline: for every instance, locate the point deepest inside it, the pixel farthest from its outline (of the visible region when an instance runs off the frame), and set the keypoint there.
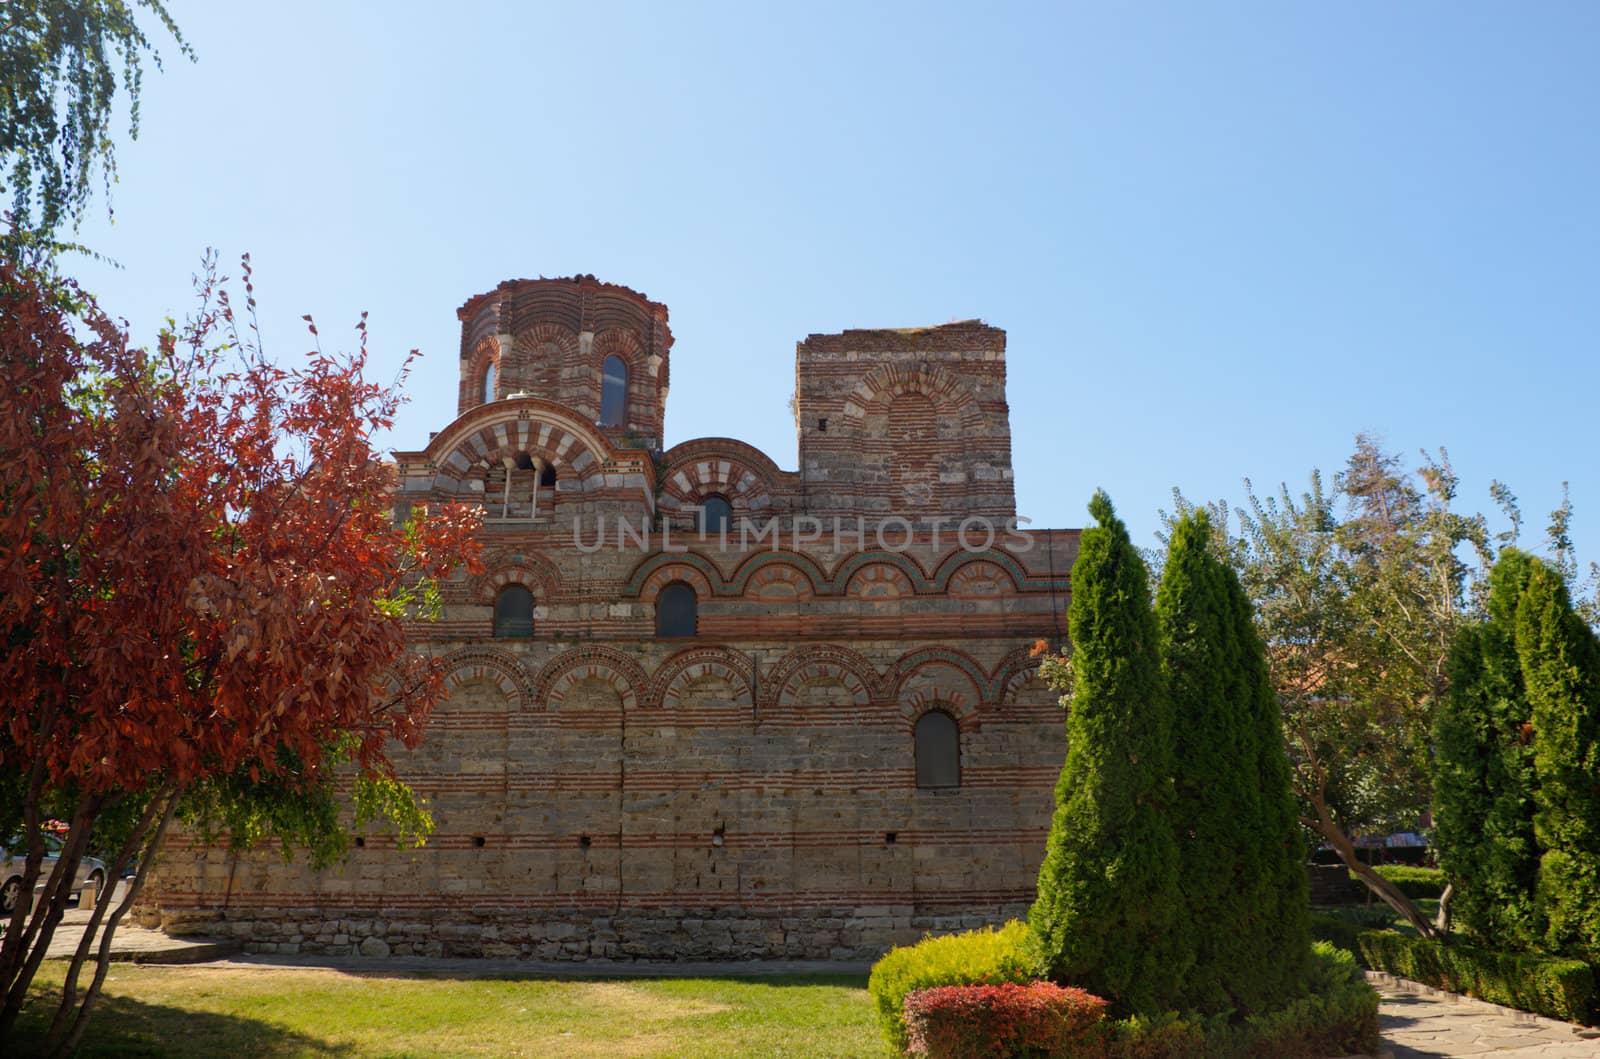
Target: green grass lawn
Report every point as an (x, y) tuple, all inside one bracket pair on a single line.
[(240, 1012)]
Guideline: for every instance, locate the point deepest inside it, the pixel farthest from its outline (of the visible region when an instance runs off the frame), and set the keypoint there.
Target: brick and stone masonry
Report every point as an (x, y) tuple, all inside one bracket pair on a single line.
[(747, 787)]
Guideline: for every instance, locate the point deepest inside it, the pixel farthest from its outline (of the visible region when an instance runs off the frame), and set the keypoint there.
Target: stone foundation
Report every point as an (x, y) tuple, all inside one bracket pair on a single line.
[(731, 934)]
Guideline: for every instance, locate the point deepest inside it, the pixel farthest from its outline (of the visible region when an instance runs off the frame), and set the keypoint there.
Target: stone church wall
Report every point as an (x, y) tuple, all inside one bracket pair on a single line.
[(600, 791)]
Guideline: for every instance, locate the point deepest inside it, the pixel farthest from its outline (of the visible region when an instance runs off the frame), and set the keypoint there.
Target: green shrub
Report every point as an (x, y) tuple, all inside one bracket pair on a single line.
[(1335, 929), (1338, 1016), (1412, 881), (978, 957), (1545, 985)]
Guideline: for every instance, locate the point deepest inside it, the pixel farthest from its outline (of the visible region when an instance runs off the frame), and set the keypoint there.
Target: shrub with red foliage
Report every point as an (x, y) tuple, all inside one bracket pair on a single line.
[(984, 1021)]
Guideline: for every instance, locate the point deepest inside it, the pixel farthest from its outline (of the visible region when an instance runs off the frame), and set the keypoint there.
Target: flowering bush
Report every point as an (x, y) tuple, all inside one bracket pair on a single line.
[(980, 1021)]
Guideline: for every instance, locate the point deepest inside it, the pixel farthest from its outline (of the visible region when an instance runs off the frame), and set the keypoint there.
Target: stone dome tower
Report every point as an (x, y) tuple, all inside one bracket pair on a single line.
[(596, 348)]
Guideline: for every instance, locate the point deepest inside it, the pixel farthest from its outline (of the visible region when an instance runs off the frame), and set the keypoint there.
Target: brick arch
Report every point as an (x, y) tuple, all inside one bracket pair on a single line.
[(1011, 672), (576, 459), (624, 343), (398, 680), (710, 578), (779, 581), (971, 683), (534, 370), (733, 666), (501, 668), (503, 567), (953, 563), (619, 341), (915, 707), (945, 390), (676, 569), (484, 353), (907, 565), (617, 669), (692, 476), (979, 579), (810, 663), (796, 563), (879, 581)]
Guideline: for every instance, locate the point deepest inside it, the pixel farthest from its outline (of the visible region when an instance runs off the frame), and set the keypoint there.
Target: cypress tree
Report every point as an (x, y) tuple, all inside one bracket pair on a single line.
[(1484, 779), (1107, 913), (1561, 671), (1284, 935), (1246, 911)]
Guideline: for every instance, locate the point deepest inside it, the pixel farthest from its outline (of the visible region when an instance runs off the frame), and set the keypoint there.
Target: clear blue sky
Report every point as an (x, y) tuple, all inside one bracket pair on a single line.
[(1223, 238)]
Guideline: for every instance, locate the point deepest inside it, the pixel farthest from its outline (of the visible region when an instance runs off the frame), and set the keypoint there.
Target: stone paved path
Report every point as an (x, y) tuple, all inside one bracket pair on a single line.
[(1423, 1023), (137, 945)]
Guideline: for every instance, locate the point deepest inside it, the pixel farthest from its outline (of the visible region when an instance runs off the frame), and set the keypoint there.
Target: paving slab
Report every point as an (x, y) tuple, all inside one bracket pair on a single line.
[(1420, 1022), (132, 944)]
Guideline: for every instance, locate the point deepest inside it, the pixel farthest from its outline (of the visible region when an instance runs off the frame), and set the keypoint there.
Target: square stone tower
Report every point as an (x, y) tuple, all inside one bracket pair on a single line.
[(908, 422)]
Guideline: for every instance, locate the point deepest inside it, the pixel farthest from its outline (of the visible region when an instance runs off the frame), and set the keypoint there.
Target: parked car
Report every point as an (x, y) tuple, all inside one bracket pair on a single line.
[(90, 870)]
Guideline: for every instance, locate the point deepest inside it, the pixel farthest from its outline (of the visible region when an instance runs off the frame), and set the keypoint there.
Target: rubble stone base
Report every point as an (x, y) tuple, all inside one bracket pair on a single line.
[(859, 934)]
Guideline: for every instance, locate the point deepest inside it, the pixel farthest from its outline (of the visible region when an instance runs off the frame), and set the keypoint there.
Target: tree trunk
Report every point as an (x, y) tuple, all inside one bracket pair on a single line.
[(1441, 922), (35, 941), (1387, 892), (69, 986), (103, 958)]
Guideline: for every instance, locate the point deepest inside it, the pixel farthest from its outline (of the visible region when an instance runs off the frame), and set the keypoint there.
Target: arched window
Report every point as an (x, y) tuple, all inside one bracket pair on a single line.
[(488, 383), (716, 515), (938, 747), (613, 392), (676, 610), (513, 612)]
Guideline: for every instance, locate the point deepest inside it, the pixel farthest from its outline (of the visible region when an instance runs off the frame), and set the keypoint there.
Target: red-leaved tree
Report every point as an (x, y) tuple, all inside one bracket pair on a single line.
[(203, 588)]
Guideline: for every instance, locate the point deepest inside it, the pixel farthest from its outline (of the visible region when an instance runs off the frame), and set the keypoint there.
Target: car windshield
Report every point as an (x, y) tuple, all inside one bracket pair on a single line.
[(15, 846)]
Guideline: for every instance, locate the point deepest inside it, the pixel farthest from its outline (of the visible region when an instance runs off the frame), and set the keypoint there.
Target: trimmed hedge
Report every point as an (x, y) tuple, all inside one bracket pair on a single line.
[(1412, 881), (978, 957), (980, 1021), (1545, 985)]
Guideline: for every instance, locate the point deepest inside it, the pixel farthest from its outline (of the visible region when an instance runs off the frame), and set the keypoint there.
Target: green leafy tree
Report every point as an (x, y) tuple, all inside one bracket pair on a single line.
[(1244, 883), (1560, 658), (1108, 907), (61, 62), (1484, 772)]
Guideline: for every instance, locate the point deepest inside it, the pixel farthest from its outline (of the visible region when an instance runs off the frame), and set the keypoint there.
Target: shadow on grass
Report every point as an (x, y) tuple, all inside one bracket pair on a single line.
[(461, 969), (122, 1027)]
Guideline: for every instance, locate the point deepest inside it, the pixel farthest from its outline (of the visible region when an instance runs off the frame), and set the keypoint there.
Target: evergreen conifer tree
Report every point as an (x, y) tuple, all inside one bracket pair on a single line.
[(1243, 875), (1285, 901), (1484, 779), (1107, 913), (1561, 671)]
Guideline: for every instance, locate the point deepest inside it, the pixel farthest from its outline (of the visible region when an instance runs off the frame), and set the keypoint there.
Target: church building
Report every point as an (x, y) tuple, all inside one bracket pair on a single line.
[(700, 706)]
